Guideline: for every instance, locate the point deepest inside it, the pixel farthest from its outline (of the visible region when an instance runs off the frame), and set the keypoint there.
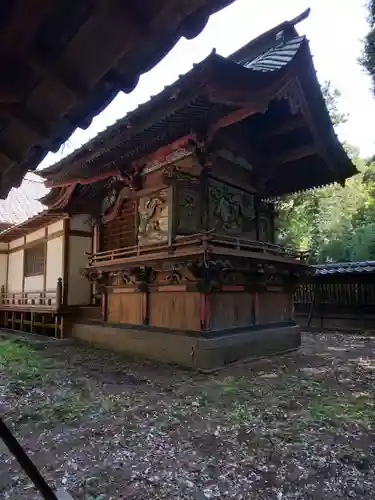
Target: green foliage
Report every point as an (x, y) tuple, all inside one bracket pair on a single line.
[(333, 223), (368, 58), (332, 96), (19, 360)]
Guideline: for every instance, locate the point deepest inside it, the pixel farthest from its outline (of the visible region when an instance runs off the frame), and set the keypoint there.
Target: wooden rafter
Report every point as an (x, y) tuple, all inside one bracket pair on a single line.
[(59, 75), (13, 154), (296, 122), (27, 119), (292, 155), (26, 18)]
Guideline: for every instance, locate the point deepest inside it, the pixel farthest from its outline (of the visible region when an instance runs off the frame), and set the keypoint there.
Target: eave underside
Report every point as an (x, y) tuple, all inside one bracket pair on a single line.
[(64, 61), (282, 146)]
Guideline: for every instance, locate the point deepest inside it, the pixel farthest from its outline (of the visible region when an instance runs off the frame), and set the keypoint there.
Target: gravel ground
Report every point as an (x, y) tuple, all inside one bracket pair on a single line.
[(300, 426)]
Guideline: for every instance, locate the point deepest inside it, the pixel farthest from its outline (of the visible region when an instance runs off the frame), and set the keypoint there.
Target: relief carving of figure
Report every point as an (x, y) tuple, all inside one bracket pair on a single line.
[(153, 220), (230, 208)]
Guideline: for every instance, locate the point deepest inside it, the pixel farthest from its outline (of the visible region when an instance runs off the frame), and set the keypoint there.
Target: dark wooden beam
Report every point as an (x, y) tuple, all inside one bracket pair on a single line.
[(292, 155), (9, 152), (25, 20), (26, 118), (285, 127), (59, 75)]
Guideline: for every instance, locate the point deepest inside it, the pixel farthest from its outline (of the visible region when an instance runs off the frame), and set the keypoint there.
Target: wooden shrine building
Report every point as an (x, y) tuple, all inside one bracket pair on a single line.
[(179, 192)]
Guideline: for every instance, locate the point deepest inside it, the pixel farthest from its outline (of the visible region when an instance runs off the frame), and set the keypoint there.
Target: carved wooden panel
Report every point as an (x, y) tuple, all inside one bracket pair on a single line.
[(125, 308), (231, 310), (175, 310), (153, 215), (188, 209), (230, 210), (120, 232)]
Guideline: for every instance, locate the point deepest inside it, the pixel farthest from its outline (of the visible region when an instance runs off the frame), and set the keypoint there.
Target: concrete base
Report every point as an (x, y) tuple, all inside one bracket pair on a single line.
[(193, 350)]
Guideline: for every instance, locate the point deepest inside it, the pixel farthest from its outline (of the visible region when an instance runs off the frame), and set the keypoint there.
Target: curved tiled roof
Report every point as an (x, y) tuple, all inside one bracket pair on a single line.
[(22, 203), (367, 266)]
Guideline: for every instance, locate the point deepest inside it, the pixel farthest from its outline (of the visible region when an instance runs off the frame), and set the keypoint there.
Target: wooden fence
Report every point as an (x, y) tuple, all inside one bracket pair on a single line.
[(338, 299)]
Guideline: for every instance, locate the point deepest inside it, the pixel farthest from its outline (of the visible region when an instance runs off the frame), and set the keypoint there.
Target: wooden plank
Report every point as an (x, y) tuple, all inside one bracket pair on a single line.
[(175, 310), (230, 310), (125, 308)]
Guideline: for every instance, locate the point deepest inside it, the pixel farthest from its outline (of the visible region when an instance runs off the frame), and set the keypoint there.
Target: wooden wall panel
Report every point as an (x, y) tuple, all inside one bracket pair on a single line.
[(231, 310), (274, 307), (125, 308), (175, 310), (120, 232)]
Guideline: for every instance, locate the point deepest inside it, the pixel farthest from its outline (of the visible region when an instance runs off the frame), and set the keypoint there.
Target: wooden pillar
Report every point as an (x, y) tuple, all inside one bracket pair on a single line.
[(205, 311), (45, 260), (257, 219), (2, 301), (59, 294), (104, 304), (146, 307), (66, 257), (56, 326), (61, 327), (256, 307)]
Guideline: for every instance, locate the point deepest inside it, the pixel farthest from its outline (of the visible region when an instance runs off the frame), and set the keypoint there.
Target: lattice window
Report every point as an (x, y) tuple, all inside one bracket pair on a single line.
[(35, 260), (121, 231)]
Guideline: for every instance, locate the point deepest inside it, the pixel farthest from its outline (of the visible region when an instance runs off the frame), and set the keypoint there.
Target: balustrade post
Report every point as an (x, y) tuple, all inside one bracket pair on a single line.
[(59, 293)]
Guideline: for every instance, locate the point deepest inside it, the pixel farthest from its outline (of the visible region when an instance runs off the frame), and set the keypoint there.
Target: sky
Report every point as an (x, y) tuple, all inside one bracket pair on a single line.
[(334, 28)]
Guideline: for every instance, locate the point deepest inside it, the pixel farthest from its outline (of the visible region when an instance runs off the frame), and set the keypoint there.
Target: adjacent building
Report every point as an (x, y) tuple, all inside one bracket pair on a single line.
[(41, 255)]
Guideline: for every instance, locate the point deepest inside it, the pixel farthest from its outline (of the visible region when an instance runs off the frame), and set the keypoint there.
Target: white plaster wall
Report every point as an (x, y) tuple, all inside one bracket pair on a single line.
[(15, 272), (36, 235), (3, 269), (16, 243), (4, 246), (54, 267), (79, 288), (34, 283), (80, 223), (56, 227)]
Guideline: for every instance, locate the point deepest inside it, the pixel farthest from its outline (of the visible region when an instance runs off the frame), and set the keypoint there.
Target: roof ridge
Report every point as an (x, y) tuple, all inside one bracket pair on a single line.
[(265, 41)]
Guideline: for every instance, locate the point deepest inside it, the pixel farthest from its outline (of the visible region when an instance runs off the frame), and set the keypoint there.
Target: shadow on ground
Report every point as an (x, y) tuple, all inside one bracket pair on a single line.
[(300, 426)]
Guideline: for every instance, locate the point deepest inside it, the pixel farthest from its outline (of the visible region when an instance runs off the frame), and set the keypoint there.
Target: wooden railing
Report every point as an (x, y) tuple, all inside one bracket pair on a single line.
[(48, 298), (192, 244)]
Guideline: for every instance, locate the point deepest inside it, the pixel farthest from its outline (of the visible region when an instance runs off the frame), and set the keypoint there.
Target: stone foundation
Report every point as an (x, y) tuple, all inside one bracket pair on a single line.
[(193, 350)]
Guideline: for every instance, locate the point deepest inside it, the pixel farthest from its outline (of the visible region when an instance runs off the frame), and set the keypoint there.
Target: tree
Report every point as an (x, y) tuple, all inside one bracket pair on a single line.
[(368, 58), (333, 223), (332, 96)]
